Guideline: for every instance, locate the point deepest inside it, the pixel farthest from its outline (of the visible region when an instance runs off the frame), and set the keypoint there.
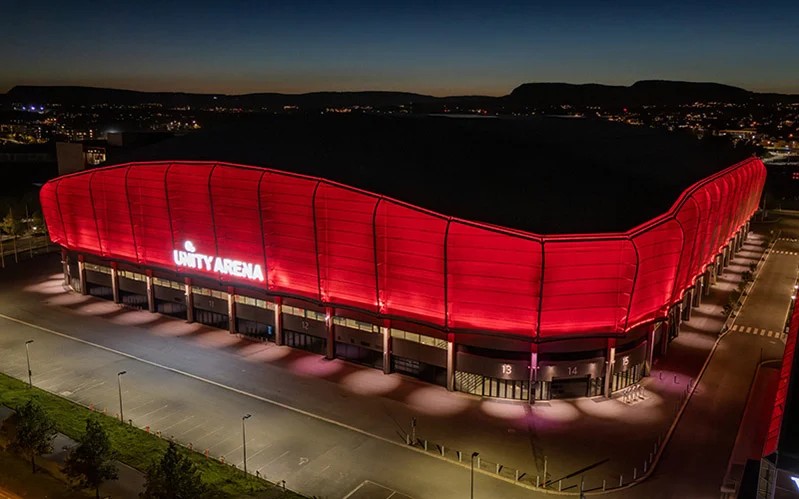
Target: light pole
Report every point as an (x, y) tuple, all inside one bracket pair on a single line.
[(244, 440), (119, 385), (28, 356), (471, 476)]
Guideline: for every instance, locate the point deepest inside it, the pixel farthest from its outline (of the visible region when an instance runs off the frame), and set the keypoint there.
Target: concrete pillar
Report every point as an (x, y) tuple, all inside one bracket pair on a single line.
[(665, 333), (330, 353), (727, 254), (697, 294), (386, 331), (610, 358), (82, 275), (719, 265), (231, 310), (533, 372), (65, 267), (707, 280), (148, 279), (189, 301), (451, 362), (650, 348), (278, 320), (115, 282), (687, 304)]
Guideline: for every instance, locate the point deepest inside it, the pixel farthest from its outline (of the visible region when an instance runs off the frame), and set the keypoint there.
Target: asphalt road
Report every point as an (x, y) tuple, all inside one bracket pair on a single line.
[(315, 453), (695, 461)]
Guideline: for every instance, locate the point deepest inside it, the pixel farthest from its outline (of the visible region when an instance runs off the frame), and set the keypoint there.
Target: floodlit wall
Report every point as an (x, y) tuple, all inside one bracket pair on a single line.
[(342, 246)]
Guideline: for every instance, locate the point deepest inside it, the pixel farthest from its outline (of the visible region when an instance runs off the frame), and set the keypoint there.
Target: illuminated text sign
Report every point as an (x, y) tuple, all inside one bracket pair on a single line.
[(226, 266)]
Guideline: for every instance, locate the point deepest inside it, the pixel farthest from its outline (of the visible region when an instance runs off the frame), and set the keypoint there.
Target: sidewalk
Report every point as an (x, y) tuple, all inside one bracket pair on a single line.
[(127, 486), (569, 434)]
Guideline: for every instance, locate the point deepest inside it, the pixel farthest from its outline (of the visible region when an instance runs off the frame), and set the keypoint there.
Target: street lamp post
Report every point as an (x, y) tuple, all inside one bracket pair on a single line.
[(28, 356), (119, 385), (244, 440), (471, 476)]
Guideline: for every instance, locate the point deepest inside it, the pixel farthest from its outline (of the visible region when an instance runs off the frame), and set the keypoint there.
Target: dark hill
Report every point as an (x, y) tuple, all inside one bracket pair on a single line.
[(650, 92)]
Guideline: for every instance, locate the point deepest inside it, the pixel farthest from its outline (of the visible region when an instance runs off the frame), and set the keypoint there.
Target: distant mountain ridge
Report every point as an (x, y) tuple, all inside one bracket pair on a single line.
[(646, 92)]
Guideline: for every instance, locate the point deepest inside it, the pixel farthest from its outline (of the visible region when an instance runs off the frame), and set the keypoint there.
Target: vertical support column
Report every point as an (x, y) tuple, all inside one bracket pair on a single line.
[(189, 301), (687, 304), (709, 279), (65, 266), (450, 362), (82, 275), (719, 265), (610, 358), (386, 331), (231, 310), (665, 333), (650, 347), (677, 313), (533, 372), (278, 320), (727, 255), (115, 282), (330, 353), (697, 294), (148, 279)]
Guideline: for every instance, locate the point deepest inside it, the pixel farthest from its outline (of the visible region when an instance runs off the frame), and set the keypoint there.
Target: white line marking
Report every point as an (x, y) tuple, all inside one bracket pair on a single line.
[(771, 334), (297, 410), (275, 459), (762, 332), (356, 489), (748, 330)]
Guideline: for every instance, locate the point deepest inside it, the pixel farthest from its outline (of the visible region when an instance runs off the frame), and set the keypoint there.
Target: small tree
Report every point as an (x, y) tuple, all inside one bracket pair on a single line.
[(10, 225), (35, 432), (174, 477), (92, 461)]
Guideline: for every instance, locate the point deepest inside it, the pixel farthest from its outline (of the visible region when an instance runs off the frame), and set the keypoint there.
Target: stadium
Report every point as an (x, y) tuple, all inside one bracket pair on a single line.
[(401, 271)]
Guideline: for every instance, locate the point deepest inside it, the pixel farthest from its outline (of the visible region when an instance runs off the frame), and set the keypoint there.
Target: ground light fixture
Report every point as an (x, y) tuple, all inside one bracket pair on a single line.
[(244, 440), (119, 385), (28, 357)]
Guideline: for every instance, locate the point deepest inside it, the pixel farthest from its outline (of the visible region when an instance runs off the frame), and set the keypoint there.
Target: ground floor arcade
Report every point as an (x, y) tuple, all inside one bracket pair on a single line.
[(486, 366)]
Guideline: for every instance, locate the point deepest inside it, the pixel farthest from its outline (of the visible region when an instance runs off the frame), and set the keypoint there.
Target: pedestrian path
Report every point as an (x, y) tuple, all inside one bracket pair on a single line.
[(759, 332)]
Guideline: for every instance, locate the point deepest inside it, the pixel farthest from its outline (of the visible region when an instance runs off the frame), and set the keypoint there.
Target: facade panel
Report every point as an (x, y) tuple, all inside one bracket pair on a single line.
[(493, 280), (306, 237)]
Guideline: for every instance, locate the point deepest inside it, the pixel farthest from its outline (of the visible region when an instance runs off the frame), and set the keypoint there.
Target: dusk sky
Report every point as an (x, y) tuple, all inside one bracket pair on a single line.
[(440, 48)]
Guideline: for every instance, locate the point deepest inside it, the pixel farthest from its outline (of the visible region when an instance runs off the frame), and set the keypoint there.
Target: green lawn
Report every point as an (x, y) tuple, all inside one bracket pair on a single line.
[(136, 447)]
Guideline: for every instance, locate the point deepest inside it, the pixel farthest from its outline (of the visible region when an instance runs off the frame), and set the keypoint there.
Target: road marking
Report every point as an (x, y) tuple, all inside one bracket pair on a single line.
[(734, 327), (401, 445), (153, 412), (275, 459), (748, 330), (771, 334), (356, 489), (165, 428)]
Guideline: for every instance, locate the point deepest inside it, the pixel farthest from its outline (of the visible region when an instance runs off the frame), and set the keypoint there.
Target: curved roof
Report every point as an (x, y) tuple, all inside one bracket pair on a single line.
[(540, 174), (341, 246)]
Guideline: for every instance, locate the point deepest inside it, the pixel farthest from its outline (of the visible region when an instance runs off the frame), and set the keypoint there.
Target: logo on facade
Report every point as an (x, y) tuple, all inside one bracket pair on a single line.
[(189, 258)]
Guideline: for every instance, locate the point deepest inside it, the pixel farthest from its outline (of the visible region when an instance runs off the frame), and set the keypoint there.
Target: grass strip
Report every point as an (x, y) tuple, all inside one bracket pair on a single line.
[(136, 447)]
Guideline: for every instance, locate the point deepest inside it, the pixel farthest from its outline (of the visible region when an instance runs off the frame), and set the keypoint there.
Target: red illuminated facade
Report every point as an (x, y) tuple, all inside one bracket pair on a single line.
[(341, 248)]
